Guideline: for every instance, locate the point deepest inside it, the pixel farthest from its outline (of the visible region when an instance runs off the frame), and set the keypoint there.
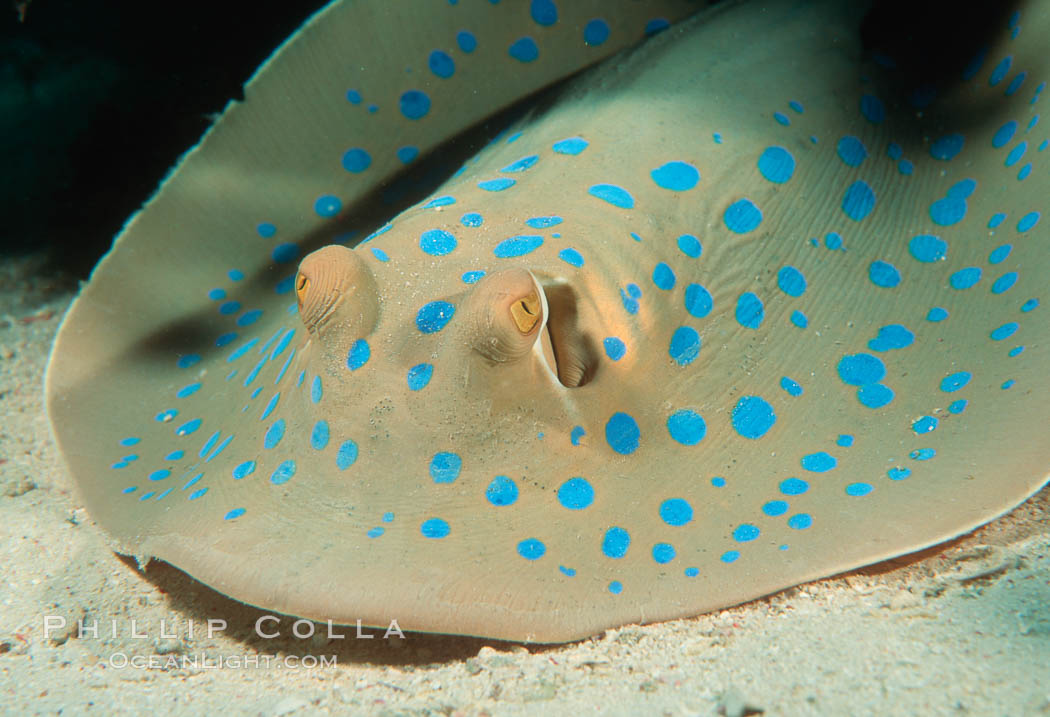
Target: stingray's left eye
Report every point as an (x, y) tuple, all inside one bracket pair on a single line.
[(302, 285), (336, 291), (526, 311)]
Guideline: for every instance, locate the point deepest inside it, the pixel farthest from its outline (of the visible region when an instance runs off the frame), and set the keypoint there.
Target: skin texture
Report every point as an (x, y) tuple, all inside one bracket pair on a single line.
[(684, 351)]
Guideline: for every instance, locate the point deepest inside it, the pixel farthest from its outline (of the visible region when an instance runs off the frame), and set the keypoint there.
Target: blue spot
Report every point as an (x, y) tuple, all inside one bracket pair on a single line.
[(572, 145), (434, 528), (800, 521), (955, 381), (875, 395), (497, 185), (173, 456), (948, 211), (282, 254), (872, 109), (414, 104), (445, 467), (522, 164), (937, 314), (797, 106), (745, 533), (576, 434), (596, 32), (187, 360), (851, 151), (947, 147), (1028, 221), (622, 434), (859, 489), (965, 278), (419, 376), (922, 454), (928, 248), (782, 118), (819, 462), (630, 302), (437, 242), (1004, 282), (749, 311), (858, 201), (685, 345), (845, 440), (186, 428), (188, 390), (244, 469), (576, 494), (616, 542), (1025, 171), (614, 195), (799, 319), (531, 549), (663, 277), (884, 274), (861, 369), (544, 12), (165, 416), (898, 473), (407, 153), (159, 475), (687, 427), (356, 160), (753, 417), (217, 294), (656, 25), (439, 202), (466, 41), (571, 572), (999, 73), (233, 514), (571, 256), (1004, 134), (924, 424), (663, 553), (775, 507), (891, 337), (692, 572), (698, 301), (905, 167), (1007, 384), (614, 348), (742, 216), (1004, 331), (791, 281), (517, 246), (616, 587), (283, 473), (327, 206), (441, 64), (1029, 305), (793, 486), (894, 151), (957, 406), (316, 390), (996, 220), (471, 219), (433, 317), (347, 455), (249, 317), (232, 307), (792, 387), (524, 50), (274, 434), (502, 491), (690, 246), (266, 230), (358, 355), (544, 222), (375, 532), (730, 556), (319, 436), (676, 176)]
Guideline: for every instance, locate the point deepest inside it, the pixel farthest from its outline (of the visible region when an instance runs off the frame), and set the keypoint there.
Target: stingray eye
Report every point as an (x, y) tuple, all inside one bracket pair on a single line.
[(505, 311), (336, 290), (526, 312)]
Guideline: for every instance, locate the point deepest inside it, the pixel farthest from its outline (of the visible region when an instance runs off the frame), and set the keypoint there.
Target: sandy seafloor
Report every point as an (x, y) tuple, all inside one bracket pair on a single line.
[(963, 629)]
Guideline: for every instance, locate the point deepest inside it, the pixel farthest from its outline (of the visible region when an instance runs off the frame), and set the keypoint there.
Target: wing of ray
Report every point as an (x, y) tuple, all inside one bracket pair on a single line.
[(728, 317)]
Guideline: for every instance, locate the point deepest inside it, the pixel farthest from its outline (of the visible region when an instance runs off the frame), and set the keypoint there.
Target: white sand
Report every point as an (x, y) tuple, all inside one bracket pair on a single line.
[(964, 629)]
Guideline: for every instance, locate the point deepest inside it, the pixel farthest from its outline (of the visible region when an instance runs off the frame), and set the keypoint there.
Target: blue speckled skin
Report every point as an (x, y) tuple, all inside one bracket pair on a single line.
[(805, 327)]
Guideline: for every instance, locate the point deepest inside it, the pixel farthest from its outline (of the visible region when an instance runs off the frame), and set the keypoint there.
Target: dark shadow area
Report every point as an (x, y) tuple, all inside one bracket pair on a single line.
[(924, 48), (195, 600)]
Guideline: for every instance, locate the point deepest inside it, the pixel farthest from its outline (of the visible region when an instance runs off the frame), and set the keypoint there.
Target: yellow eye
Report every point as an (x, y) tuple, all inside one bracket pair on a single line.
[(526, 312), (302, 283)]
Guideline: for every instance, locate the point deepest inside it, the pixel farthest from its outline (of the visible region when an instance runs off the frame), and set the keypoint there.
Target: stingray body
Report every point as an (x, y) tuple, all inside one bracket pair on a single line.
[(724, 319)]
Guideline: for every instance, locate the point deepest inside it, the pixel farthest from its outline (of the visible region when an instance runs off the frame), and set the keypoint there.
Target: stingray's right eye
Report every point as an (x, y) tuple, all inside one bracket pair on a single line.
[(504, 311), (302, 285)]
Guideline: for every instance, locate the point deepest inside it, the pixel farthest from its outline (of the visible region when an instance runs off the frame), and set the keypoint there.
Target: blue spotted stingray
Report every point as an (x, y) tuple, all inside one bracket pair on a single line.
[(722, 319)]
